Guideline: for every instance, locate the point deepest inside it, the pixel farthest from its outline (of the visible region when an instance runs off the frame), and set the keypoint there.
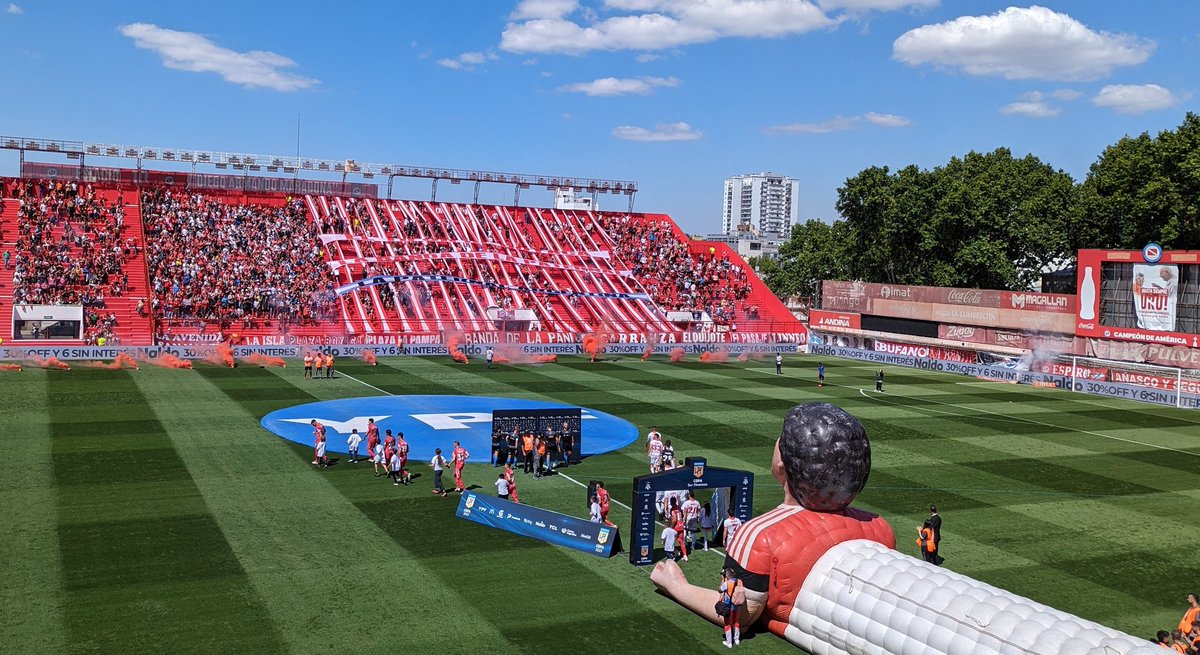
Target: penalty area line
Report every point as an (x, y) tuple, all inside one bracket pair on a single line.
[(1032, 421)]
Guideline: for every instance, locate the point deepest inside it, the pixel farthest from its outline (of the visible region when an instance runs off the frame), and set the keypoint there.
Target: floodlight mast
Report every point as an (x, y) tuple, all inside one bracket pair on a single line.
[(295, 164)]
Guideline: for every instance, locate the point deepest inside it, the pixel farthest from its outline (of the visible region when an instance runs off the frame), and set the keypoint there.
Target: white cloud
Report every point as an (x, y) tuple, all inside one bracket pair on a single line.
[(647, 57), (1135, 98), (1030, 108), (1022, 43), (543, 9), (660, 24), (839, 124), (14, 9), (1067, 94), (467, 61), (875, 5), (188, 51), (661, 132), (886, 120), (615, 86)]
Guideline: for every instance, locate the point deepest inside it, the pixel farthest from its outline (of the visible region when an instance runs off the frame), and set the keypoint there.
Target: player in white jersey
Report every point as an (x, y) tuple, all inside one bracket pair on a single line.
[(730, 525), (654, 452), (691, 518)]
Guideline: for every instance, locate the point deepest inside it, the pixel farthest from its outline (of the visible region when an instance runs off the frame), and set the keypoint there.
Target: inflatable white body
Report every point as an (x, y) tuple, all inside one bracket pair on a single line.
[(862, 598)]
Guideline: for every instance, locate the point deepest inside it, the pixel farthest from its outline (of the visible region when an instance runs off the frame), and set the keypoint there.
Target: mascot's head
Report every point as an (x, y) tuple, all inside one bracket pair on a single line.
[(824, 456)]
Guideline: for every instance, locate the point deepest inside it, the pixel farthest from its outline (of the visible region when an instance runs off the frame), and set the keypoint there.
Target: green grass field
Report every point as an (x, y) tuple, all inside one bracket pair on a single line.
[(146, 511)]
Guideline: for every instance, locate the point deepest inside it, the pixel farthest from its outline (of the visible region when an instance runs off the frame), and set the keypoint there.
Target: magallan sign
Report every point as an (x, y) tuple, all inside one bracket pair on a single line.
[(430, 422)]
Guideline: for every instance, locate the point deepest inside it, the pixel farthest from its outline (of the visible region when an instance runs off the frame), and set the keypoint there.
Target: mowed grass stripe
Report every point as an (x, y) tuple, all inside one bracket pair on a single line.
[(32, 619), (308, 550), (135, 581), (604, 598)]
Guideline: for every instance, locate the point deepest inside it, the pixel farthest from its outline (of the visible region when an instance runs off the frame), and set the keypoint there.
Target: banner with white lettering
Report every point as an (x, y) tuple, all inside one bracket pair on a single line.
[(1154, 296)]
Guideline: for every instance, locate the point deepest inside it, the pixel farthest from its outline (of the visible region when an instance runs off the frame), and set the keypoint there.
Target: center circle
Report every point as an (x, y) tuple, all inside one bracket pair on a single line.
[(430, 422)]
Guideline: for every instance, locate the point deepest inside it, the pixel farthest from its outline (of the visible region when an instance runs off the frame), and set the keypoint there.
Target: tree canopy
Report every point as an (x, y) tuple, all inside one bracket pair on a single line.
[(992, 220)]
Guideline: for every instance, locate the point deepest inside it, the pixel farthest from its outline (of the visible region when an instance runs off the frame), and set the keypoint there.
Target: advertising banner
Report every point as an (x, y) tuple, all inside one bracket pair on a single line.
[(542, 524), (822, 319), (1155, 291), (1034, 312), (932, 352), (1151, 353), (1054, 377)]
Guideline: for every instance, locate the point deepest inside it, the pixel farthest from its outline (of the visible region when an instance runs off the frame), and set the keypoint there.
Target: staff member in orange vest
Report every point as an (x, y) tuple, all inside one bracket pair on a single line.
[(925, 543), (1190, 618), (541, 457), (329, 365), (319, 362), (527, 452)]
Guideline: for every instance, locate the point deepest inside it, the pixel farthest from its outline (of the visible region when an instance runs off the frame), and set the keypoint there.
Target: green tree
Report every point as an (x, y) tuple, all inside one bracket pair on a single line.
[(814, 251), (1143, 189)]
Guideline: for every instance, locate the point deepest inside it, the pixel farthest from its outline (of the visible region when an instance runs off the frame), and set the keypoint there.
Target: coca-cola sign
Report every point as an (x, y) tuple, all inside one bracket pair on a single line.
[(965, 296)]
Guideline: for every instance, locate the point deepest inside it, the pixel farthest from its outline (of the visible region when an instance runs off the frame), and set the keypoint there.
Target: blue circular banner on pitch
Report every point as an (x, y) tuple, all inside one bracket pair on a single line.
[(430, 422)]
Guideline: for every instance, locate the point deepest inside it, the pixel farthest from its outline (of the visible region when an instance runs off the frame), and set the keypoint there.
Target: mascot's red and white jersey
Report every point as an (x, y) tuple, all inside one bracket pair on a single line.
[(777, 550)]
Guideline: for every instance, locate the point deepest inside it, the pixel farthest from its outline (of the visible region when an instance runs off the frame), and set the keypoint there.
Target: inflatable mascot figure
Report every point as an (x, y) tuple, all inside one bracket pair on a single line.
[(826, 576)]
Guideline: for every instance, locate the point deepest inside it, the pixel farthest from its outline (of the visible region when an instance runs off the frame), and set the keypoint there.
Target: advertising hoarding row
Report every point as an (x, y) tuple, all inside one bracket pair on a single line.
[(1034, 312)]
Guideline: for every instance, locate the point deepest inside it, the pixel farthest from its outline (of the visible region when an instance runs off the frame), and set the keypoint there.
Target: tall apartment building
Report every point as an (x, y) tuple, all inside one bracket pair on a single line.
[(768, 202)]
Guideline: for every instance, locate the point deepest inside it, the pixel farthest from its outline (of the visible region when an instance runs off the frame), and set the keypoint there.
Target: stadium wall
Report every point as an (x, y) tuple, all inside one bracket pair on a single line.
[(1085, 380)]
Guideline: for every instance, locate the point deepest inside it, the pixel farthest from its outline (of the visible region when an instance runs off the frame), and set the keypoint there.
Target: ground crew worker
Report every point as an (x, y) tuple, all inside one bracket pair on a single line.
[(527, 452), (926, 544)]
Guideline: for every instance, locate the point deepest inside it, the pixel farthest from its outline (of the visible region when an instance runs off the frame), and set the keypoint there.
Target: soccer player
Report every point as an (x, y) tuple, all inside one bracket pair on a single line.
[(691, 518), (730, 525), (308, 362), (353, 442), (779, 364), (318, 435), (459, 456), (820, 375), (654, 452), (402, 450), (602, 497), (372, 436), (438, 464), (511, 476), (675, 520), (668, 454)]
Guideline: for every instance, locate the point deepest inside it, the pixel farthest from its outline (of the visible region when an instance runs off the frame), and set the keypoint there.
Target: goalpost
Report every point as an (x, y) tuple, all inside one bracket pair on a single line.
[(1166, 385)]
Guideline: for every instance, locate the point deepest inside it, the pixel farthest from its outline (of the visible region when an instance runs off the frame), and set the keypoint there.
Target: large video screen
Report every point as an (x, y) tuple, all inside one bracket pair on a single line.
[(1154, 297)]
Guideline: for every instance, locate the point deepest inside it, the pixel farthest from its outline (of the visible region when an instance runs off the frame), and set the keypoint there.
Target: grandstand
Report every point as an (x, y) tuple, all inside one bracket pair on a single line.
[(211, 264)]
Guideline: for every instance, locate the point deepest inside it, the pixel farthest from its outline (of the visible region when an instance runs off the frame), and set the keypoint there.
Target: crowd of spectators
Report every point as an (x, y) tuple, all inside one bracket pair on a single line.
[(216, 261), (70, 250), (675, 278)]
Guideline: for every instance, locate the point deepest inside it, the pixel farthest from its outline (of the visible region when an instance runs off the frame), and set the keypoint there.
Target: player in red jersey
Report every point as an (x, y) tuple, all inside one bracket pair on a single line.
[(373, 442), (602, 496), (402, 449), (459, 456), (318, 437), (511, 476), (675, 519)]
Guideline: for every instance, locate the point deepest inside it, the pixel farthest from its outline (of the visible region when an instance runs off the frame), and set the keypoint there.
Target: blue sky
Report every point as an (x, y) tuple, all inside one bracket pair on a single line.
[(676, 94)]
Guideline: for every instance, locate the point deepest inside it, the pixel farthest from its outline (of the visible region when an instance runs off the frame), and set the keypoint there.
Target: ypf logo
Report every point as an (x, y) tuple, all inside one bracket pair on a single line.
[(1152, 253), (429, 422)]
